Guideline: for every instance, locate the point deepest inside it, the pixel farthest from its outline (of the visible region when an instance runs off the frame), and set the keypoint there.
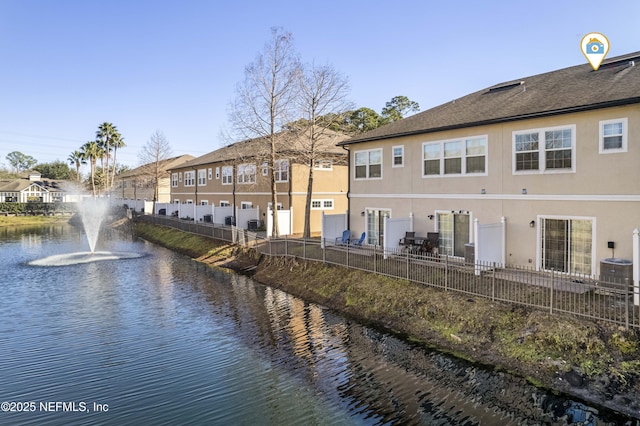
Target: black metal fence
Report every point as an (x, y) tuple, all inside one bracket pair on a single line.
[(607, 299)]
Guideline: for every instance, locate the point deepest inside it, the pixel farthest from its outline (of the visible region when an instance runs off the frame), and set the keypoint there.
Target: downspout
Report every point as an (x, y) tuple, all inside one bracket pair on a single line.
[(345, 147)]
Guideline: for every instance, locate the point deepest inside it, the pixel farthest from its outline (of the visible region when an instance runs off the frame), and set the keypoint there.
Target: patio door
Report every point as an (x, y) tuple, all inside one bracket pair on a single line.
[(454, 233), (567, 245), (375, 225)]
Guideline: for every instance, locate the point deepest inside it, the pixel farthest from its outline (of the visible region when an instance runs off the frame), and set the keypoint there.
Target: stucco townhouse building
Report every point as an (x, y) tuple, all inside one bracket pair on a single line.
[(554, 157)]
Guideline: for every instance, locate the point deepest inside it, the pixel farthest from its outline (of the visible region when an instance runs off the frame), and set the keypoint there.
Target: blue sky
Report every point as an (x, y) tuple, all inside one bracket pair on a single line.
[(145, 65)]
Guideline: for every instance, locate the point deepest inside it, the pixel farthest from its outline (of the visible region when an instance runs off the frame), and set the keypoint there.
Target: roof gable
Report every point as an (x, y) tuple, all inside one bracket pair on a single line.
[(577, 88)]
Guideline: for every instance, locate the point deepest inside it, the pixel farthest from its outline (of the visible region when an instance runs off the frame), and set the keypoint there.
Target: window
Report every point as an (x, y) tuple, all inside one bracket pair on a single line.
[(210, 173), (246, 173), (321, 204), (224, 203), (567, 245), (190, 178), (544, 150), (202, 177), (467, 156), (246, 205), (217, 172), (323, 165), (204, 203), (269, 204), (174, 180), (368, 164), (613, 136), (227, 175), (282, 170), (453, 229), (398, 156)]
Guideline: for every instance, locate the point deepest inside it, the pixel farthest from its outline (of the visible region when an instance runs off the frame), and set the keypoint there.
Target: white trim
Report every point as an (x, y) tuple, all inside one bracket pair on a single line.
[(541, 197), (566, 217), (601, 149), (322, 203), (542, 165), (393, 156), (368, 177), (463, 157)]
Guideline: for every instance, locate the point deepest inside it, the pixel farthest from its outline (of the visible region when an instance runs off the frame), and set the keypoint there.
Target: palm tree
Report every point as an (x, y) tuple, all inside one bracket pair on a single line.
[(76, 159), (92, 151), (118, 142), (105, 135)]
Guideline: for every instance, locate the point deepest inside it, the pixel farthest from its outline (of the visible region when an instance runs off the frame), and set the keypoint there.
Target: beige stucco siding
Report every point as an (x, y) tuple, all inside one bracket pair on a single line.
[(602, 187)]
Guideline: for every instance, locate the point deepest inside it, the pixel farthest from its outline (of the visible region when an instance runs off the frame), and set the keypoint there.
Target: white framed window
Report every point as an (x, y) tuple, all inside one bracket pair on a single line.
[(323, 165), (550, 150), (204, 202), (174, 180), (368, 164), (176, 201), (246, 173), (246, 205), (265, 169), (613, 136), (217, 172), (282, 170), (227, 175), (190, 178), (326, 204), (224, 203), (398, 156), (464, 156), (202, 177), (210, 173), (188, 201)]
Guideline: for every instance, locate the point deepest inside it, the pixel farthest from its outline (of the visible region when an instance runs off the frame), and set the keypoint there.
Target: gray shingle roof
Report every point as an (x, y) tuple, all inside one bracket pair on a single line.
[(287, 142), (577, 88)]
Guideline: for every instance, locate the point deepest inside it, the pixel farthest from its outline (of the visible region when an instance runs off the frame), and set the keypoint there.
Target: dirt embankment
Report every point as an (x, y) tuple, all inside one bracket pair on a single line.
[(596, 362)]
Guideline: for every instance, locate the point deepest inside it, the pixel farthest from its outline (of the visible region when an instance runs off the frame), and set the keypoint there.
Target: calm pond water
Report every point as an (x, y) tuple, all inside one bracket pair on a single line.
[(161, 340)]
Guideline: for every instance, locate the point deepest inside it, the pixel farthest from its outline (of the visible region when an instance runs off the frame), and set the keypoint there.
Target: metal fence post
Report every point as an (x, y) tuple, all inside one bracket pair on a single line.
[(551, 293), (627, 293), (407, 271), (446, 271), (493, 282)]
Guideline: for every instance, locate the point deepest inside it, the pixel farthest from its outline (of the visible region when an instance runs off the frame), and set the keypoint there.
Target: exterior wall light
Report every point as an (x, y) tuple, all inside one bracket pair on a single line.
[(532, 224)]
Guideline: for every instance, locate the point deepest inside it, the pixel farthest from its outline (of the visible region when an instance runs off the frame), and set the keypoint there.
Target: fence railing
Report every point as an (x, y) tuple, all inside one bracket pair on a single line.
[(599, 299)]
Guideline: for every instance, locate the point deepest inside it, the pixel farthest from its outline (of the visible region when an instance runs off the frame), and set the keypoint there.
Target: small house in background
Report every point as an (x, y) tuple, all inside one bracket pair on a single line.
[(133, 187), (236, 177), (34, 189), (550, 161)]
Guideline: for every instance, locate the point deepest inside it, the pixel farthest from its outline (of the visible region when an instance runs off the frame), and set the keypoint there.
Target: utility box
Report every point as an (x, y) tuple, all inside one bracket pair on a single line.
[(208, 218), (470, 253), (252, 225), (228, 220), (616, 271)]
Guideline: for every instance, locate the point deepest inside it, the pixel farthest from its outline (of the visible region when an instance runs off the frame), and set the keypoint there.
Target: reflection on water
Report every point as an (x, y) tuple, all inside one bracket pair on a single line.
[(163, 340)]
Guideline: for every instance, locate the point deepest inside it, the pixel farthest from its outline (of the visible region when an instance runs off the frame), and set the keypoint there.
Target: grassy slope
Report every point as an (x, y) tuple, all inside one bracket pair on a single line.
[(10, 221), (598, 359)]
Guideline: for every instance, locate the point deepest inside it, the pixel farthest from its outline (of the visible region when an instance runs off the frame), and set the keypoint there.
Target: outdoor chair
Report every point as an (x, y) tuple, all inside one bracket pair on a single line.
[(358, 242), (409, 239), (344, 240)]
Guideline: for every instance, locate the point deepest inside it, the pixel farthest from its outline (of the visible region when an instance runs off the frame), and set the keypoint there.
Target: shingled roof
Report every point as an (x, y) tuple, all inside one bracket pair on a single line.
[(573, 89), (288, 142)]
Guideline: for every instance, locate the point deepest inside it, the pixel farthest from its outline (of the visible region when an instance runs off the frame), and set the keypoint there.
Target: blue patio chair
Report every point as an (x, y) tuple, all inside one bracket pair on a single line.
[(358, 242), (344, 240)]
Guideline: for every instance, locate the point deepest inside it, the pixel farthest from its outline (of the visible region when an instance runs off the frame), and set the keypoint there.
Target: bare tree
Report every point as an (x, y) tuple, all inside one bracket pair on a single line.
[(152, 157), (265, 99), (323, 102)]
